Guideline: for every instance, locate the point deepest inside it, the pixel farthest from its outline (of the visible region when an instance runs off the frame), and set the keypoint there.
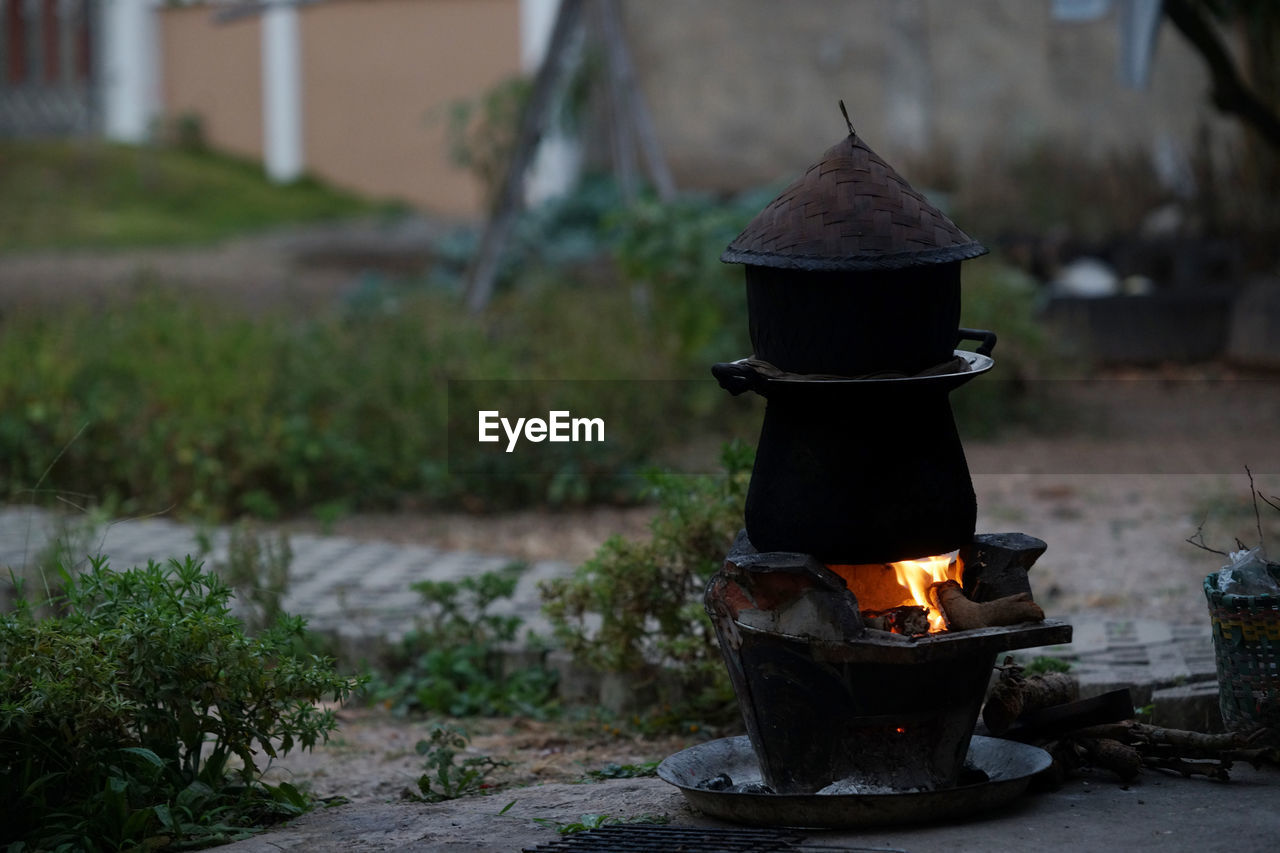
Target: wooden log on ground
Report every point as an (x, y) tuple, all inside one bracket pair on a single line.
[(1015, 695)]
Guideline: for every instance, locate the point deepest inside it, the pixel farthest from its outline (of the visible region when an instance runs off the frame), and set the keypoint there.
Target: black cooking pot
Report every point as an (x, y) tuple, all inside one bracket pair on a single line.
[(859, 471), (854, 323)]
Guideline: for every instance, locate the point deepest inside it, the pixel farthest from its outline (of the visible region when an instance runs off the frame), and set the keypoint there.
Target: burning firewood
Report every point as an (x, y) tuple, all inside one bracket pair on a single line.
[(962, 614), (911, 621)]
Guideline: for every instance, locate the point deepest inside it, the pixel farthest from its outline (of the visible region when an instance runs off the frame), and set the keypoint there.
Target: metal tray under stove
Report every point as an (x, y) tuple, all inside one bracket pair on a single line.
[(1009, 767)]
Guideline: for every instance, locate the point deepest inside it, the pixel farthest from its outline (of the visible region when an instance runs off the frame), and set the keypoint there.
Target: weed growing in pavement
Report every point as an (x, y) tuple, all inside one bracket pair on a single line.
[(448, 778), (257, 568), (1045, 663), (452, 662), (72, 543), (137, 714), (595, 821)]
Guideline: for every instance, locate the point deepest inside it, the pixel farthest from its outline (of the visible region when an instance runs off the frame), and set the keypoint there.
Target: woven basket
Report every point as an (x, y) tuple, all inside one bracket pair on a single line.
[(1246, 643)]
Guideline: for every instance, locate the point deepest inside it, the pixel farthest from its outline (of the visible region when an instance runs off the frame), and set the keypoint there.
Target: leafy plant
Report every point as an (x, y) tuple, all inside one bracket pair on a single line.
[(647, 595), (670, 253), (481, 132), (447, 778), (143, 708), (595, 821), (452, 662)]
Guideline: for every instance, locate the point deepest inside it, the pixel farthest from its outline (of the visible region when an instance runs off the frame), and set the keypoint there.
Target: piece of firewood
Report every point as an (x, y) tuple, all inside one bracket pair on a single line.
[(1186, 753), (1160, 742), (1014, 695), (962, 614), (908, 620), (1120, 758)]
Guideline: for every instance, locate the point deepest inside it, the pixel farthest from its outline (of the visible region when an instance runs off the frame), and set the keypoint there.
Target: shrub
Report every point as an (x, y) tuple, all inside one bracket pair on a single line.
[(139, 713), (671, 254), (165, 402), (647, 595)]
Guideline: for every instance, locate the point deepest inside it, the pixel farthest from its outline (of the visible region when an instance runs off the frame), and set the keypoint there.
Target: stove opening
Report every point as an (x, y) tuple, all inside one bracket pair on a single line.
[(895, 596)]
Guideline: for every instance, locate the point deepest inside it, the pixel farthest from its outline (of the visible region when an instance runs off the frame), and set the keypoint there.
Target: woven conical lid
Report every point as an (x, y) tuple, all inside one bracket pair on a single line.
[(850, 211)]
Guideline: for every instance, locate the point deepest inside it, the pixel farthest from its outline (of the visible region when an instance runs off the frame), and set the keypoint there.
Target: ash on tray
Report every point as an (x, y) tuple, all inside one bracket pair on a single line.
[(848, 787), (969, 775), (724, 783)]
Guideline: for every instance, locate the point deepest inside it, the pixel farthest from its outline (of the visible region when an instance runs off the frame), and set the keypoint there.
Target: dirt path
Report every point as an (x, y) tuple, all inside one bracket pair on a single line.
[(295, 268)]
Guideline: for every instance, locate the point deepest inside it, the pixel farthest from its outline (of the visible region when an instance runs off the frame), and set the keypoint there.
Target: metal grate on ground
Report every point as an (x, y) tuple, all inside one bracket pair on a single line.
[(668, 839)]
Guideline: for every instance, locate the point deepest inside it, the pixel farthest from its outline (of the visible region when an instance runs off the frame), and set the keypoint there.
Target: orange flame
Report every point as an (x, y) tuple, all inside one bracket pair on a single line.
[(918, 575), (882, 586)]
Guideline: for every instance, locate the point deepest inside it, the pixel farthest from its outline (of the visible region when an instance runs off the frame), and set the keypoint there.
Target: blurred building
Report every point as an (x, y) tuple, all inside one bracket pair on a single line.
[(741, 91)]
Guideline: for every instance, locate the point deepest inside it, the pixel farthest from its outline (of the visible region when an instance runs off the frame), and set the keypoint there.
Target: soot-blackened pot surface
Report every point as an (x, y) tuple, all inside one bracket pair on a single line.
[(862, 471)]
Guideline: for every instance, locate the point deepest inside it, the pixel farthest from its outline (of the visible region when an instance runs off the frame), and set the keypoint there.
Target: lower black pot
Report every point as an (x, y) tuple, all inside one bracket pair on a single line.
[(861, 472)]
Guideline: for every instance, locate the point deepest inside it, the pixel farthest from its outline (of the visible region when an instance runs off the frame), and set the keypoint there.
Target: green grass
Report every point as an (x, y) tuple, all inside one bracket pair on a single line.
[(160, 400), (83, 194), (165, 401)]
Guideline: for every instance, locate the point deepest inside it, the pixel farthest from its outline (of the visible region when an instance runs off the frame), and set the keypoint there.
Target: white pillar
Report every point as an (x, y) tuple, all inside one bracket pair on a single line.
[(556, 164), (537, 19), (281, 93), (129, 60)]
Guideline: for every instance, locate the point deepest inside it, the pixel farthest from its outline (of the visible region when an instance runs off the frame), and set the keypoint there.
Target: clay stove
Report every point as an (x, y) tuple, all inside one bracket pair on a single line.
[(858, 613)]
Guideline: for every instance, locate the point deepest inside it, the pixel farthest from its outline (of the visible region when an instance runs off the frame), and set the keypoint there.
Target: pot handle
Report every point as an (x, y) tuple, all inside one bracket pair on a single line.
[(737, 378), (988, 339)]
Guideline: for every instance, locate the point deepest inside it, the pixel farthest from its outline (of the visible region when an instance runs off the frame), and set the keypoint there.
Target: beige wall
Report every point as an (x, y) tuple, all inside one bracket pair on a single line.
[(213, 71), (745, 91), (378, 76)]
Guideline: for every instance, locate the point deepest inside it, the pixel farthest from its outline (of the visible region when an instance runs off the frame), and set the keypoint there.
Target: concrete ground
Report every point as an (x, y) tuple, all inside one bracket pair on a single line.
[(1087, 814)]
